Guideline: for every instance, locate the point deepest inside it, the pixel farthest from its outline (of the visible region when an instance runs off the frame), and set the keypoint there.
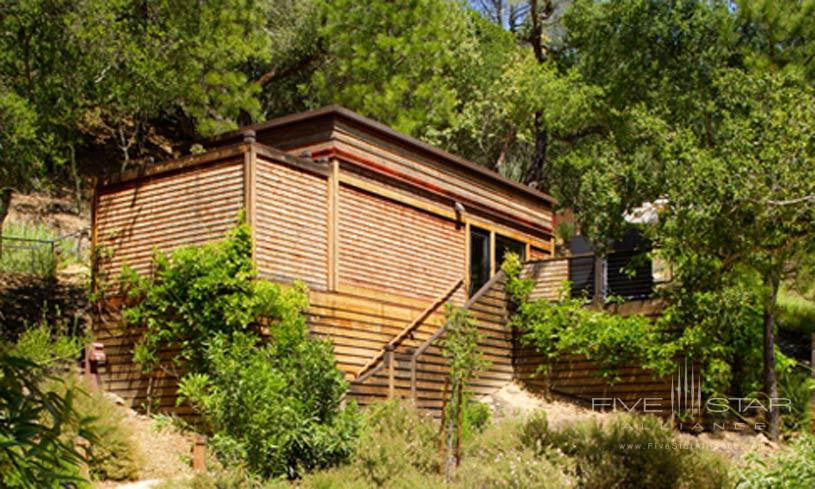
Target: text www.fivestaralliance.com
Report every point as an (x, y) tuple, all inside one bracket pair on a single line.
[(660, 446)]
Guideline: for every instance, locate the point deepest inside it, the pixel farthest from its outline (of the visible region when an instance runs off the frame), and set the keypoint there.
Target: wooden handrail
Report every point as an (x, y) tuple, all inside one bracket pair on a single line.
[(483, 290), (424, 346), (392, 344)]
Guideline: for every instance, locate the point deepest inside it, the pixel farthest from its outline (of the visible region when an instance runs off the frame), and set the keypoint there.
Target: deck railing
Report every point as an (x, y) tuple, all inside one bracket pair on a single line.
[(625, 273)]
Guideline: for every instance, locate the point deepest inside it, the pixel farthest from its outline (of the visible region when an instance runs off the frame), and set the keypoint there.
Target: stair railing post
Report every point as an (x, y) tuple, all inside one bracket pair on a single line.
[(413, 378), (389, 360)]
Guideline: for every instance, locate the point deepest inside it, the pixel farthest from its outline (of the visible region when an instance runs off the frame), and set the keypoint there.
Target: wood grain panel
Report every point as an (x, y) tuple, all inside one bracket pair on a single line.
[(395, 248), (549, 276), (163, 213), (292, 233)]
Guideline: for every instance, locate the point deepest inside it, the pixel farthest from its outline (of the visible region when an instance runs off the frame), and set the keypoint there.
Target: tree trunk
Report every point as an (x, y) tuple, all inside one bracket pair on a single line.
[(538, 173), (5, 203), (770, 377)]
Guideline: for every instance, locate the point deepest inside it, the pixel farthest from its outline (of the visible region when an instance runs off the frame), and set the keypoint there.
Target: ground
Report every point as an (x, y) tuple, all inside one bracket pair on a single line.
[(165, 450)]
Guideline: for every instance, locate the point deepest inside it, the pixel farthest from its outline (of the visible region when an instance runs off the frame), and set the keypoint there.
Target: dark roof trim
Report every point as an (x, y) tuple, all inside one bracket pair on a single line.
[(339, 111)]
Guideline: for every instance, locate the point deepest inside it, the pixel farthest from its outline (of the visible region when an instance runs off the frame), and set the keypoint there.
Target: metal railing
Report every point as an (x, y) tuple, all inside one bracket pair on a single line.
[(42, 256)]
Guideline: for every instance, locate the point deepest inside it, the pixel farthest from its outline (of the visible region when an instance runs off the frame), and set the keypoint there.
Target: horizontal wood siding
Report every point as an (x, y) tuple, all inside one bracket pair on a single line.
[(371, 151), (536, 253), (360, 324), (578, 378), (395, 248), (549, 276), (163, 213), (496, 347), (291, 224), (122, 376)]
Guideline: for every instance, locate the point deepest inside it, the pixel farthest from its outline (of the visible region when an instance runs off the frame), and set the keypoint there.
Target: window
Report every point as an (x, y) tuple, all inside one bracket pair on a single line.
[(479, 258), (504, 245)]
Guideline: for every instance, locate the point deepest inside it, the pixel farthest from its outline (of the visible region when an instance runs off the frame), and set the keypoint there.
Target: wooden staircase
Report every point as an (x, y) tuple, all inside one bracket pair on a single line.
[(412, 366)]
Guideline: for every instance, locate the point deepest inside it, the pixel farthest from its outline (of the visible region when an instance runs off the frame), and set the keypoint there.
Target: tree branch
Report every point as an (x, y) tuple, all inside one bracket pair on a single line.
[(800, 200), (275, 75)]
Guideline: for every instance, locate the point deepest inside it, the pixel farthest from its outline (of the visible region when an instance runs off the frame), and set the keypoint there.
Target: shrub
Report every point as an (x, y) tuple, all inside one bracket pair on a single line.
[(475, 418), (397, 439), (34, 449), (630, 451), (47, 346), (497, 458), (273, 407), (198, 292), (276, 407), (113, 455), (791, 468)]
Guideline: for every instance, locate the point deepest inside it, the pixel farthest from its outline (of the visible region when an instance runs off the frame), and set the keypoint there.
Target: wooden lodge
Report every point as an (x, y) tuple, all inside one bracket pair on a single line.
[(383, 228)]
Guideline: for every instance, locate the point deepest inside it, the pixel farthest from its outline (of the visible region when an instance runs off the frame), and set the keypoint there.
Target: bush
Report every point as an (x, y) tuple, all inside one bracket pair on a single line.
[(791, 468), (113, 455), (34, 449), (497, 458), (630, 451), (47, 346), (274, 408), (397, 440)]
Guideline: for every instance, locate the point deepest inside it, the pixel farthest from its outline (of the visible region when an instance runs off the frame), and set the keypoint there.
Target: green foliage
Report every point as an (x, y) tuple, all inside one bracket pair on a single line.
[(40, 259), (475, 418), (47, 346), (398, 441), (570, 326), (18, 141), (497, 459), (790, 468), (460, 346), (393, 61), (113, 453), (273, 406), (34, 449), (199, 292), (630, 451), (276, 407)]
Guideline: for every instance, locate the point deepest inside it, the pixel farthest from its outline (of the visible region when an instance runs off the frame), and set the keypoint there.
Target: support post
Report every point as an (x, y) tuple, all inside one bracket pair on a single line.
[(199, 454), (333, 189), (599, 280), (389, 359), (413, 378)]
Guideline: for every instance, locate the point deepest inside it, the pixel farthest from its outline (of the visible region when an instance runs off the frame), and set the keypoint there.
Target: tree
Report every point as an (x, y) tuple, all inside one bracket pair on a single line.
[(406, 64), (778, 35), (749, 201), (120, 81), (18, 147)]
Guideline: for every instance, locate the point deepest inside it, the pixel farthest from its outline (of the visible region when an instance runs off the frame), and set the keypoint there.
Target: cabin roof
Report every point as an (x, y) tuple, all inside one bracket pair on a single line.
[(338, 111)]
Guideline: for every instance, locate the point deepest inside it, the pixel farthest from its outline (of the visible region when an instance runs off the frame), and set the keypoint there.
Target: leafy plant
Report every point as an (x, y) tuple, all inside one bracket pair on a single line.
[(47, 345), (276, 407), (630, 451), (271, 404), (464, 361), (397, 439), (34, 449), (198, 292), (568, 326), (789, 468)]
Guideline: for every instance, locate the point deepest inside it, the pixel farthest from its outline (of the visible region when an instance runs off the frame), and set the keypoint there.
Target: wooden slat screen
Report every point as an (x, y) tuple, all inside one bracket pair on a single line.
[(164, 213), (291, 235), (395, 248)]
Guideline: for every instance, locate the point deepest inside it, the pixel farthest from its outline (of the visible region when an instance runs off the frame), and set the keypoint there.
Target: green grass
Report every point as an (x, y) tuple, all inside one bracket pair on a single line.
[(38, 258), (796, 312)]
